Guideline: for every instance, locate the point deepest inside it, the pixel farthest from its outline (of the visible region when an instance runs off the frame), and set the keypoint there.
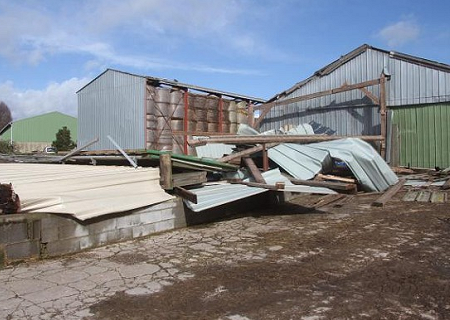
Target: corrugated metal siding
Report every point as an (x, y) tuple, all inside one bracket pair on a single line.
[(113, 104), (424, 135), (410, 84), (42, 128)]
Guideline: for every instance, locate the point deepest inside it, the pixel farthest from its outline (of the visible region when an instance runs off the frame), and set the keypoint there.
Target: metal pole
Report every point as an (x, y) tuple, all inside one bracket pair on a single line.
[(123, 152)]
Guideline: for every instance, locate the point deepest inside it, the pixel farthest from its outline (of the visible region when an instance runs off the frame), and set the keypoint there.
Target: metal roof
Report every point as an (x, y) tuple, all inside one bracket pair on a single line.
[(356, 52), (156, 81), (371, 171), (83, 192), (216, 194)]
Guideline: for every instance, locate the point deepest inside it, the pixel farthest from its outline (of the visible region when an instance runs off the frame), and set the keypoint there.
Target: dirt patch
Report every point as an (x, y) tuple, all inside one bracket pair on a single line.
[(358, 262)]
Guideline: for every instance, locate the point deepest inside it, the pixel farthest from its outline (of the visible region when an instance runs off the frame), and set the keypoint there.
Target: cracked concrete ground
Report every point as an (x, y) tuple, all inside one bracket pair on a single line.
[(347, 263)]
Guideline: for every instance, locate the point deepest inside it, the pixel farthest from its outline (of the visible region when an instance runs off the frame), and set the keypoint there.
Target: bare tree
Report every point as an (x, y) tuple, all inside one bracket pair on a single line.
[(5, 115)]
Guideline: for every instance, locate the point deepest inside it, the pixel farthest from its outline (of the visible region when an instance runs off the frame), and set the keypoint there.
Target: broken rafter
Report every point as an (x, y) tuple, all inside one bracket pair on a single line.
[(349, 187), (260, 139), (246, 152), (381, 201), (250, 164)]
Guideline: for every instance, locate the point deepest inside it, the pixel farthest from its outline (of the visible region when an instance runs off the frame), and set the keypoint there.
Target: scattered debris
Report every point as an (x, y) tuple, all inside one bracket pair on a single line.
[(9, 200)]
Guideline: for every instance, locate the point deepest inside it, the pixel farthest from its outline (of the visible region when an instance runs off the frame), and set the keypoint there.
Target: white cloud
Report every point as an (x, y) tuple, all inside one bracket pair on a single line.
[(400, 33), (55, 97), (96, 27)]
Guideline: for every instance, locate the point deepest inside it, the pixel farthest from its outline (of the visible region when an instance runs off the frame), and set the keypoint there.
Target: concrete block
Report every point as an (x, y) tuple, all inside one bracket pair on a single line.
[(150, 216), (143, 230), (128, 221), (11, 232), (164, 225), (2, 256), (71, 229), (60, 247), (87, 242), (102, 226), (49, 230), (125, 234), (167, 214), (180, 222), (22, 250)]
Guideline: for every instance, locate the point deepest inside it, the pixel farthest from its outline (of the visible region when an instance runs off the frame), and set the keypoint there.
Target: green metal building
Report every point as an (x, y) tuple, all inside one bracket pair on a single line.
[(35, 133)]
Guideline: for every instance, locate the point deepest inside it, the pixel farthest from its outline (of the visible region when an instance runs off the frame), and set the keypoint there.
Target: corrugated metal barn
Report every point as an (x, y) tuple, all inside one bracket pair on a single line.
[(142, 112), (417, 100)]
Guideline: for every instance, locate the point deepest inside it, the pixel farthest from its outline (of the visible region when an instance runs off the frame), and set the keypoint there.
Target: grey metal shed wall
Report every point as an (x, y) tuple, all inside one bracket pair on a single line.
[(410, 84), (113, 104)]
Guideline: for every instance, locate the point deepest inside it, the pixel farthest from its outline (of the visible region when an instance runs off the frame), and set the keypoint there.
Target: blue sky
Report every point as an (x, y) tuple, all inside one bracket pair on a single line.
[(50, 49)]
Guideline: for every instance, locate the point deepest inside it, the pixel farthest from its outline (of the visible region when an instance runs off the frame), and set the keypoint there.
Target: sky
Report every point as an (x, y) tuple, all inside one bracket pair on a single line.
[(49, 49)]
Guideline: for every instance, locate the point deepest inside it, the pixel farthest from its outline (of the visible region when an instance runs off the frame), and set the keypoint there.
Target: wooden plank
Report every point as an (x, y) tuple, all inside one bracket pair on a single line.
[(246, 152), (275, 187), (330, 185), (424, 196), (185, 194), (268, 106), (446, 185), (410, 196), (288, 138), (165, 171), (342, 202), (335, 178), (438, 197), (250, 164), (188, 178), (385, 197), (328, 199)]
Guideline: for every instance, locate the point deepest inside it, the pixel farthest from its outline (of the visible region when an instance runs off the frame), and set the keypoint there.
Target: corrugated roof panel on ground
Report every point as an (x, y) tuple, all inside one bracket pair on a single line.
[(216, 194), (300, 161), (83, 192), (371, 171)]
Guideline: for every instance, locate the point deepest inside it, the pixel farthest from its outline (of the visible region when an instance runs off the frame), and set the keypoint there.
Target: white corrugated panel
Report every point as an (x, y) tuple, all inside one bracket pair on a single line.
[(84, 192), (216, 194)]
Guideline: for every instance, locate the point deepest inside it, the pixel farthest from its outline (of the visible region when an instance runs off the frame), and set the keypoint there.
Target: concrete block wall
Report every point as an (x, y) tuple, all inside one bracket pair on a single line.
[(25, 236)]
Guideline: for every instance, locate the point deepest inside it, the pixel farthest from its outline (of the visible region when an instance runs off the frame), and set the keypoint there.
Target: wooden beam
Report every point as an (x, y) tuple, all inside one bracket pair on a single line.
[(371, 96), (245, 152), (275, 187), (446, 185), (329, 198), (330, 185), (381, 201), (165, 171), (343, 88), (185, 194), (77, 150), (250, 164), (260, 139), (189, 178), (334, 178), (383, 120)]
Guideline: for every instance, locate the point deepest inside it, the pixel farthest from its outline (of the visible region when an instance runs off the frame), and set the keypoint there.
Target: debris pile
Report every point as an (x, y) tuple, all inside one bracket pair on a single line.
[(9, 200)]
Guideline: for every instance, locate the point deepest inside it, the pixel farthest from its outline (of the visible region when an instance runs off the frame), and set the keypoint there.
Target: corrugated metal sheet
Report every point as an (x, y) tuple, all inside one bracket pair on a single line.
[(216, 194), (84, 192), (424, 136), (214, 150), (300, 161), (371, 171), (42, 128), (413, 81), (113, 104)]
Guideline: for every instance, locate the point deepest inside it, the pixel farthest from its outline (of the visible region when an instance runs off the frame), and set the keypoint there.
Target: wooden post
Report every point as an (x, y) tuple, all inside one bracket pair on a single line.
[(165, 171), (265, 158), (185, 123), (383, 113), (250, 164), (381, 201)]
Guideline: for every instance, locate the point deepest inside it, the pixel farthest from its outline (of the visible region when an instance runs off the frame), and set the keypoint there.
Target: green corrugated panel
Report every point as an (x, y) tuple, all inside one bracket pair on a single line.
[(424, 135), (42, 128)]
